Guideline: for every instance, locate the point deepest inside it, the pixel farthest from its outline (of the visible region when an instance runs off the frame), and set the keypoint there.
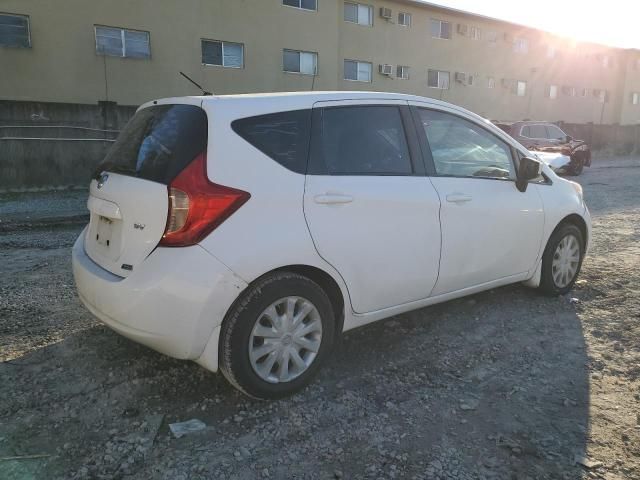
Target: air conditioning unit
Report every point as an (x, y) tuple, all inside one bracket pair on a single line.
[(463, 29), (461, 77), (386, 69), (385, 13)]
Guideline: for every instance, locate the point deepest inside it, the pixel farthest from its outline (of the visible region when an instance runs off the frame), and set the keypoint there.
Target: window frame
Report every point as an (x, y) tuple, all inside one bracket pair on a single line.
[(521, 45), (357, 62), (554, 88), (440, 30), (517, 89), (28, 18), (405, 16), (124, 44), (317, 164), (405, 69), (439, 72), (357, 22), (300, 7), (315, 72), (491, 82), (427, 155), (635, 98), (221, 42)]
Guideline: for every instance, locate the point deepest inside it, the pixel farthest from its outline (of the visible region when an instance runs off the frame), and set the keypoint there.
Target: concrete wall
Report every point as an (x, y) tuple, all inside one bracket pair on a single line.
[(62, 65), (53, 144)]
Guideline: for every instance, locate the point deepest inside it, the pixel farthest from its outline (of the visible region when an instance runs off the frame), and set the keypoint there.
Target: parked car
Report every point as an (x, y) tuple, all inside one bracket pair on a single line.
[(560, 151), (248, 232)]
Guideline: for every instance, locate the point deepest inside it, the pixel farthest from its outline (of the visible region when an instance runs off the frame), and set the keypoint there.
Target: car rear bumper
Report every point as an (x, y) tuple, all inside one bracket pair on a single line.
[(172, 302)]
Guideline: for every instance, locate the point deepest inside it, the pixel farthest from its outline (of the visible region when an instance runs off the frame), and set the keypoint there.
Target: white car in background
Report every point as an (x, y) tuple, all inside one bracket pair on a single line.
[(247, 232)]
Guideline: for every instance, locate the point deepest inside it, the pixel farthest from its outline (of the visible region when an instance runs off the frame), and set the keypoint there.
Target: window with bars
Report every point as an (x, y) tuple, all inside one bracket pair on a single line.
[(222, 54), (14, 31), (296, 61), (121, 42)]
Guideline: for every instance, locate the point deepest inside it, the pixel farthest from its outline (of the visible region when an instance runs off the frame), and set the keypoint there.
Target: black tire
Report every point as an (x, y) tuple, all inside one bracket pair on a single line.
[(547, 282), (240, 320)]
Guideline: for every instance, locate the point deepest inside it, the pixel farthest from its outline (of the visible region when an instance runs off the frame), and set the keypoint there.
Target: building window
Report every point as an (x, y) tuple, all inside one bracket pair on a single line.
[(492, 37), (521, 45), (440, 29), (438, 79), (358, 13), (222, 54), (635, 98), (14, 31), (569, 91), (300, 62), (357, 71), (475, 33), (120, 42), (404, 19), (472, 79), (584, 92), (402, 72), (606, 61), (303, 4), (553, 91), (521, 88), (491, 82), (551, 51)]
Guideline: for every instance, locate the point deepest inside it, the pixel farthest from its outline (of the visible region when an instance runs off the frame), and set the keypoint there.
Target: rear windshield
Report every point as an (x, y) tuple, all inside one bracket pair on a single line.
[(158, 142)]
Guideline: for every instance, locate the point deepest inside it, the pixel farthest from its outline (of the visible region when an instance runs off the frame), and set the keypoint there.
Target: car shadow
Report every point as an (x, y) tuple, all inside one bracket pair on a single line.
[(495, 385)]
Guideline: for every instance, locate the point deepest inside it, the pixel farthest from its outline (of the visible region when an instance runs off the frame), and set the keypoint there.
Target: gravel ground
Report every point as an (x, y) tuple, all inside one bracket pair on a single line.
[(503, 384)]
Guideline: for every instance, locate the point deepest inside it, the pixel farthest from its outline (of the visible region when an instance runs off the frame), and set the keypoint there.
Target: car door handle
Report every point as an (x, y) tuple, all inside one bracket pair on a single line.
[(459, 198), (333, 199)]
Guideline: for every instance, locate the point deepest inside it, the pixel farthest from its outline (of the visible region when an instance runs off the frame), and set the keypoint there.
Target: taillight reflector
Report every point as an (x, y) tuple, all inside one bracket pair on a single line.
[(197, 206)]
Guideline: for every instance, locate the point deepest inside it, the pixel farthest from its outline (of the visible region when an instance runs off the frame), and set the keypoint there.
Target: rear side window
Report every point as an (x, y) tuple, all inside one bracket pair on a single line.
[(364, 140), (158, 143), (282, 136)]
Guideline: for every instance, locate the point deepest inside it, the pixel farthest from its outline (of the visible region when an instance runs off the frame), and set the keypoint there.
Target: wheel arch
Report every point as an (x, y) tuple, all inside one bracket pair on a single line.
[(578, 221)]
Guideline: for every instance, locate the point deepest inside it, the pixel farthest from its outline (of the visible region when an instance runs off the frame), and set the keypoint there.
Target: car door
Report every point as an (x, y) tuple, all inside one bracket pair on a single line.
[(490, 230), (372, 213)]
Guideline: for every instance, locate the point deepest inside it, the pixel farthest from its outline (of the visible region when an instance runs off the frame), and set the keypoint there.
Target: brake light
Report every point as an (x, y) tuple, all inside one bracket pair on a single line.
[(197, 206)]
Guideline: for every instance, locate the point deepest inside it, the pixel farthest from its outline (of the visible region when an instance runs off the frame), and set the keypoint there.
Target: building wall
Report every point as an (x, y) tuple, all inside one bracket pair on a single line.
[(62, 65)]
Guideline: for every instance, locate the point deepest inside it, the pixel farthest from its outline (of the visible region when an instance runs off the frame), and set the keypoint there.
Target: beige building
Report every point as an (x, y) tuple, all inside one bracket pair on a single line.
[(131, 51)]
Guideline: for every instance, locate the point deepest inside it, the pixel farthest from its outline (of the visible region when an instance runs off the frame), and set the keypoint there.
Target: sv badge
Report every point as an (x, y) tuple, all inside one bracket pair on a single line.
[(139, 226)]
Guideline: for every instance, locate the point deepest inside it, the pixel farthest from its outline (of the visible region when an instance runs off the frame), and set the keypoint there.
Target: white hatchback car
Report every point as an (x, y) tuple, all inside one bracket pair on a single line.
[(247, 232)]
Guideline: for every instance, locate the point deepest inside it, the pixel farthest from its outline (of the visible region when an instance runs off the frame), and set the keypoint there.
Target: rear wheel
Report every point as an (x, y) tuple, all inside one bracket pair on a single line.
[(276, 336), (562, 260)]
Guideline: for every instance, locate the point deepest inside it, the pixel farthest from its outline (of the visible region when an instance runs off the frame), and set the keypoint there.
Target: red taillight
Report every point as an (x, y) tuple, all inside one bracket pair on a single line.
[(197, 206)]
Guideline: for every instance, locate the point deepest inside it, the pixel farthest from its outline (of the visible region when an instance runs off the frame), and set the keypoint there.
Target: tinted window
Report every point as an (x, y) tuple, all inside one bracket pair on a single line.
[(283, 136), (537, 131), (526, 131), (158, 142), (365, 140), (461, 148), (555, 133)]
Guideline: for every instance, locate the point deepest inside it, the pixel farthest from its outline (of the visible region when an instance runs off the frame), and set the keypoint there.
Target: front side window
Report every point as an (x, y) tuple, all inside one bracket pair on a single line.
[(554, 133), (303, 4), (14, 31), (438, 79), (222, 54), (534, 131), (357, 71), (120, 42), (300, 62), (460, 148), (358, 13), (282, 136), (364, 140), (440, 29)]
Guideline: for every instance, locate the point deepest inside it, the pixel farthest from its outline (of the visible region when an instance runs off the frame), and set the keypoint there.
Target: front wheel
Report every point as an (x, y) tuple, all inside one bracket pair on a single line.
[(576, 166), (562, 260), (276, 336)]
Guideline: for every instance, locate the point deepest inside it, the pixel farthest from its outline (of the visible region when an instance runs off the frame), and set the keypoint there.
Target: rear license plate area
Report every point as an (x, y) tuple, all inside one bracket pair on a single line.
[(104, 231)]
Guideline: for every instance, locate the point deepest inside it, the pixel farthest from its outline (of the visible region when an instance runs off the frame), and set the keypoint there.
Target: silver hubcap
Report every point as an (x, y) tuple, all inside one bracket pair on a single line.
[(565, 261), (285, 339)]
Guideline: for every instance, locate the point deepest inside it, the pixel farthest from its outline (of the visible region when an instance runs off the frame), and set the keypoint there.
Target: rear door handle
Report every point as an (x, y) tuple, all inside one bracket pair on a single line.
[(459, 198), (333, 199)]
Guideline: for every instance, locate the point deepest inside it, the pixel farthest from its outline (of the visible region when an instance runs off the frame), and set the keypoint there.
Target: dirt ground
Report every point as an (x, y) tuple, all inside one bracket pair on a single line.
[(505, 384)]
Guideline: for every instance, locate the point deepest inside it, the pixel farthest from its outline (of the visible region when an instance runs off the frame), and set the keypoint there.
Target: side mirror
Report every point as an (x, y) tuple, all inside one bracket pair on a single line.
[(529, 169), (569, 138)]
